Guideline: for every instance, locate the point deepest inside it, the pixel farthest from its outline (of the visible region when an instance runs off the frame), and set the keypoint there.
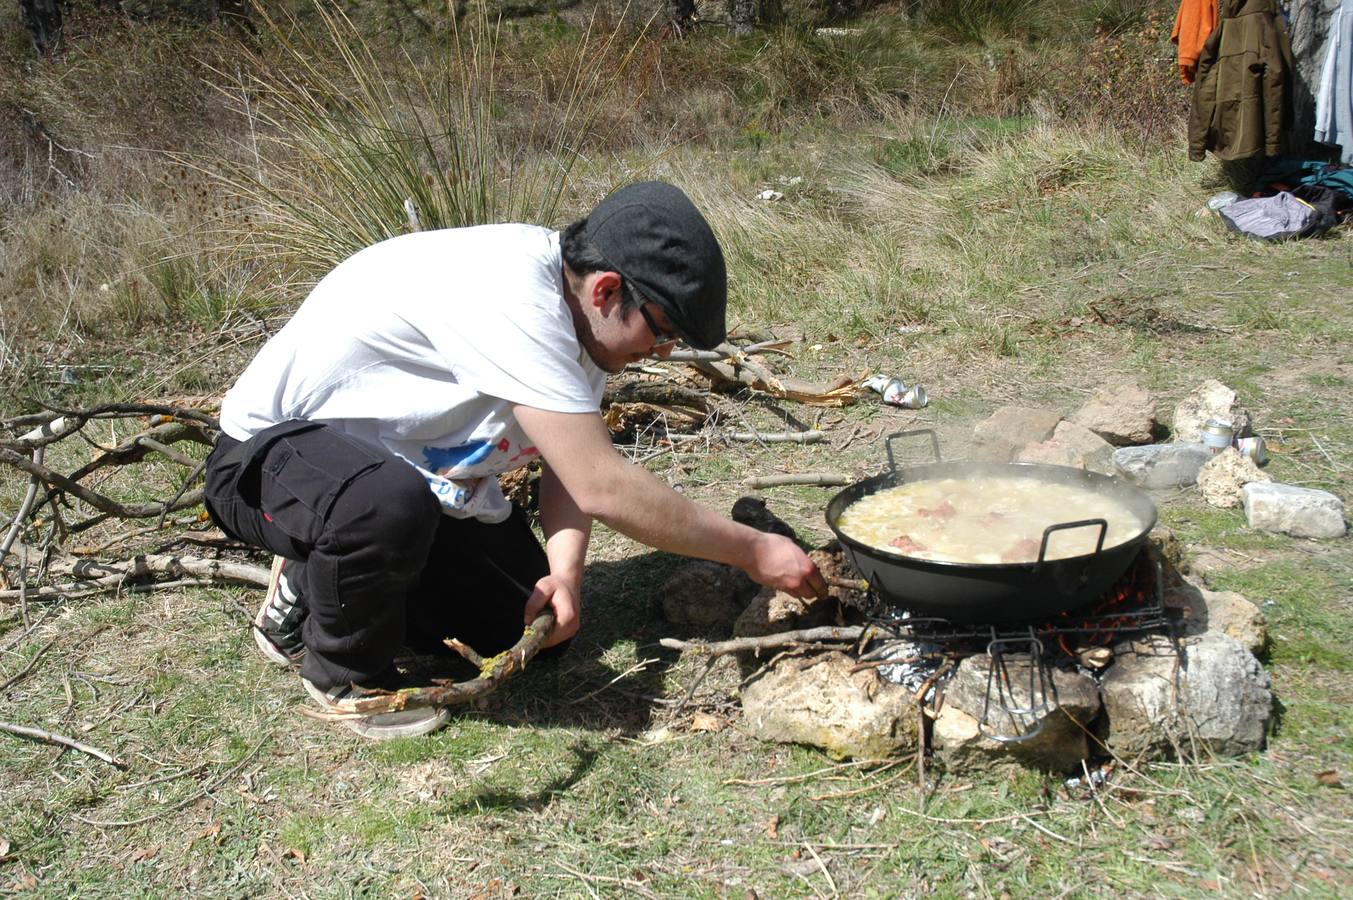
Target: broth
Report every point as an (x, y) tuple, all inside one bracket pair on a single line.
[(986, 519)]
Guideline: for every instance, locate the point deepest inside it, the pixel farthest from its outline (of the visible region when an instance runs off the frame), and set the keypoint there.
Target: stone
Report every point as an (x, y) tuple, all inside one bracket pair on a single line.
[(1298, 511), (1214, 698), (1121, 413), (772, 612), (1161, 465), (818, 701), (1050, 453), (1096, 452), (706, 593), (1009, 429), (1222, 477), (1071, 445), (1166, 551), (1210, 400), (1226, 612), (1071, 706)]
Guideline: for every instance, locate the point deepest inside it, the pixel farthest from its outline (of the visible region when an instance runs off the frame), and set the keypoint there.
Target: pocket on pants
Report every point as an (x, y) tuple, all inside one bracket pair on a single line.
[(302, 475)]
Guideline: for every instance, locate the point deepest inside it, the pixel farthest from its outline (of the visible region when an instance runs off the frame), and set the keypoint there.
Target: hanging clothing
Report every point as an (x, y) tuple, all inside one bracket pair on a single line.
[(1242, 98), (1334, 97), (1192, 24)]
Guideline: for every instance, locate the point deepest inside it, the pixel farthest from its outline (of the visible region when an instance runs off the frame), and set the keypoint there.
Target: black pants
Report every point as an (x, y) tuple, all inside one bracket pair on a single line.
[(381, 566)]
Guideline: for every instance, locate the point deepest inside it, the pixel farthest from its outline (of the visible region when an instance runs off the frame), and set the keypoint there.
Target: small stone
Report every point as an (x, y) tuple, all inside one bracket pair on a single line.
[(1121, 413), (1010, 429), (1071, 703), (1210, 400), (1161, 465), (1216, 698), (820, 702), (1226, 612), (1288, 509), (1222, 477)]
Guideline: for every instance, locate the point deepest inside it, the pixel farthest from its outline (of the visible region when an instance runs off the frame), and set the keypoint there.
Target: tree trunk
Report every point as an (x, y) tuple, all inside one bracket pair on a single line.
[(43, 20)]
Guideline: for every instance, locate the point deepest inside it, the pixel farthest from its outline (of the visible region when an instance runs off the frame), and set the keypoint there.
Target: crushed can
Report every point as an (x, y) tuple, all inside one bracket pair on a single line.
[(1253, 447), (1217, 435), (895, 393), (898, 394)]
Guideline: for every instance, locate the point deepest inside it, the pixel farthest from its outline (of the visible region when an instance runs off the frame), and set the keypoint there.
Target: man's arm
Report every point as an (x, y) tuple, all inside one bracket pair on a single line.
[(567, 529), (626, 497)]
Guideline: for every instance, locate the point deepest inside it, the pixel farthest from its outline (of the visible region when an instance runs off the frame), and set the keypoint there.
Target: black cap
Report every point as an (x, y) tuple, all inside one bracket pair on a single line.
[(657, 240)]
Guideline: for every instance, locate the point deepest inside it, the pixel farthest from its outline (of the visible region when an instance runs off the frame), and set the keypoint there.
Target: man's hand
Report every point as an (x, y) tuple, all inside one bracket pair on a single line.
[(558, 593), (779, 563)]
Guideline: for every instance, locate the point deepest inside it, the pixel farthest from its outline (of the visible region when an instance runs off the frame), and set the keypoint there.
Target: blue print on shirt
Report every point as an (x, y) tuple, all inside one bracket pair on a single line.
[(444, 459)]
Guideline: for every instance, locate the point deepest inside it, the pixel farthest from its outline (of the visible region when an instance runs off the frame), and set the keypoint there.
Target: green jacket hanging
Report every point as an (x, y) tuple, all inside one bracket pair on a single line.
[(1242, 97)]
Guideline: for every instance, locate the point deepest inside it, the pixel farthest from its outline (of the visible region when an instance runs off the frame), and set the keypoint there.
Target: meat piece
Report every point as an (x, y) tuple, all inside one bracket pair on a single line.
[(905, 543), (944, 511), (1025, 550)]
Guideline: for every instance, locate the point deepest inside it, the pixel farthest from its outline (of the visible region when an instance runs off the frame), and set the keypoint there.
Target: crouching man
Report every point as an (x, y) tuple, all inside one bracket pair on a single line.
[(361, 445)]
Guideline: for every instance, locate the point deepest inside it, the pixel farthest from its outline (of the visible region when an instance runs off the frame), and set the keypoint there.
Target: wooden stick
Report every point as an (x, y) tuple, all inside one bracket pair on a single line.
[(821, 479), (24, 507), (47, 737), (161, 564), (774, 437), (28, 668), (492, 673), (832, 633)]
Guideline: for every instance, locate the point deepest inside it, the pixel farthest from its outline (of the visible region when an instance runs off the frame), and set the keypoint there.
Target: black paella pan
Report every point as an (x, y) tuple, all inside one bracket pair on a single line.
[(996, 593)]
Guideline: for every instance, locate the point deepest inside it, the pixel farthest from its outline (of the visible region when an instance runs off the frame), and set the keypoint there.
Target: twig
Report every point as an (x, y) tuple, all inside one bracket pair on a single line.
[(626, 882), (493, 672), (28, 668), (777, 437), (24, 507), (637, 667), (823, 866), (840, 795), (1333, 465), (709, 664), (47, 737), (1052, 834), (781, 639), (182, 803), (163, 564), (822, 479), (112, 583), (808, 776)]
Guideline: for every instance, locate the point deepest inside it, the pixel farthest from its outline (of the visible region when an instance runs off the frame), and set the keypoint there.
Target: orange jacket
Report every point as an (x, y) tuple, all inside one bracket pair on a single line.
[(1194, 22)]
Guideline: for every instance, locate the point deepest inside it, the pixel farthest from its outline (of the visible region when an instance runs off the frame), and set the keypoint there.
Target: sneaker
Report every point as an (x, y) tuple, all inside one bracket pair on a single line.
[(405, 723), (277, 627)]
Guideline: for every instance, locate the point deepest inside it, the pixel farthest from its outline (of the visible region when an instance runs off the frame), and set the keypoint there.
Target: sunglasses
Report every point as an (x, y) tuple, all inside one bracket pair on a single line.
[(660, 335)]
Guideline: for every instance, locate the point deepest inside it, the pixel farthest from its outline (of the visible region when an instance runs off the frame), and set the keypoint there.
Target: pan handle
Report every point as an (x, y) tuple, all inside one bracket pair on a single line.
[(934, 444), (1047, 533)]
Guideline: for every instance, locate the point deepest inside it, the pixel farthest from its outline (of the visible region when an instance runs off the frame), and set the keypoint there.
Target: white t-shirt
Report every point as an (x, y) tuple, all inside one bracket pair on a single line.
[(423, 343)]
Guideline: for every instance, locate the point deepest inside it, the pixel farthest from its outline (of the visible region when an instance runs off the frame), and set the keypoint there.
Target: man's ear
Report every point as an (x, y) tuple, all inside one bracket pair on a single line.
[(605, 288)]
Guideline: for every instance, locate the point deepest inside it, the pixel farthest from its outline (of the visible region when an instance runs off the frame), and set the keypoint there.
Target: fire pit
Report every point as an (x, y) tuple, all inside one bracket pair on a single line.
[(1131, 673)]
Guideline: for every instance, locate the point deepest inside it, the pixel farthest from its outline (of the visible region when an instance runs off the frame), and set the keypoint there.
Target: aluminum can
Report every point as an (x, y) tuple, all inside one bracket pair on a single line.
[(1217, 435), (914, 398), (1253, 447), (896, 393)]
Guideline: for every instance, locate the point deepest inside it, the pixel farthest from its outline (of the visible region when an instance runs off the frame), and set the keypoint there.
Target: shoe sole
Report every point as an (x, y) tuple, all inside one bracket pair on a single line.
[(271, 651), (371, 728)]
